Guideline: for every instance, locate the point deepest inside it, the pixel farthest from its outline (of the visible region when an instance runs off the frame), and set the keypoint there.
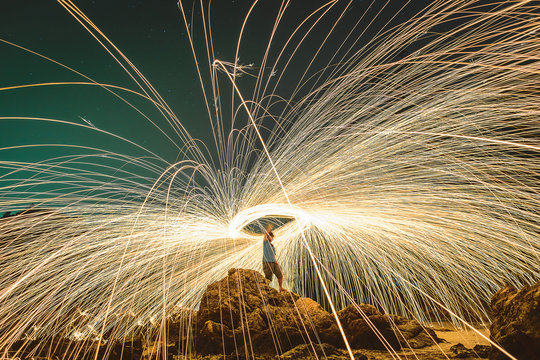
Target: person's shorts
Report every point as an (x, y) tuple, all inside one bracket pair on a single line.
[(270, 268)]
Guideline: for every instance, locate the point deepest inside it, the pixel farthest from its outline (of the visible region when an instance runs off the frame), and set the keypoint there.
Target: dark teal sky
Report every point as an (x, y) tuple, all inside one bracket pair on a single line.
[(152, 35)]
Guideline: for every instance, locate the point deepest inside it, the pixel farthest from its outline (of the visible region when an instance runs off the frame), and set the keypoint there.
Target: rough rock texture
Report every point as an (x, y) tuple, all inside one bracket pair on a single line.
[(242, 314), (322, 351), (65, 348), (180, 323), (242, 317), (127, 350), (516, 322), (479, 351), (396, 331), (306, 351)]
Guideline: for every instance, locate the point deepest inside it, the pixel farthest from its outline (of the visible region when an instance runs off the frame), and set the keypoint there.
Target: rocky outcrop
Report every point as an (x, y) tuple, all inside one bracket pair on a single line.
[(242, 314), (322, 351), (367, 328), (179, 325), (459, 351), (242, 317), (516, 322)]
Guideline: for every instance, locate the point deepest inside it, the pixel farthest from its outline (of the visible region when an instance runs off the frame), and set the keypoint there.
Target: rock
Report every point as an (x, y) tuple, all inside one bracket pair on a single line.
[(180, 324), (127, 350), (481, 351), (461, 352), (211, 337), (359, 323), (411, 333), (319, 323), (56, 348), (516, 322), (319, 351), (308, 350), (242, 314)]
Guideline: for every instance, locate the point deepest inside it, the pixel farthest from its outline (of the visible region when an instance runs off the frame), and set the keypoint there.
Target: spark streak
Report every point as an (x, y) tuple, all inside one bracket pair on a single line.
[(410, 181)]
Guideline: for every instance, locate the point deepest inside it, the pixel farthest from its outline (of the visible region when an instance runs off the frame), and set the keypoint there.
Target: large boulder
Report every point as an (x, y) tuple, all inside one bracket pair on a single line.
[(516, 322), (368, 328), (242, 314)]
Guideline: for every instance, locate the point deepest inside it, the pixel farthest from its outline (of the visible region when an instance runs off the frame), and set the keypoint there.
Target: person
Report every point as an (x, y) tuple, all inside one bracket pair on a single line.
[(270, 265)]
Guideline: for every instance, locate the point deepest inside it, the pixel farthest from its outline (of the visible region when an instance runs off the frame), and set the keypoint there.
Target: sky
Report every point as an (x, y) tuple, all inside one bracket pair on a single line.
[(151, 33)]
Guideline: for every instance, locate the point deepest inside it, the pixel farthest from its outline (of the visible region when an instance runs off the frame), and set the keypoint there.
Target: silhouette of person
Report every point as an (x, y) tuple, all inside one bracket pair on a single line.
[(270, 265)]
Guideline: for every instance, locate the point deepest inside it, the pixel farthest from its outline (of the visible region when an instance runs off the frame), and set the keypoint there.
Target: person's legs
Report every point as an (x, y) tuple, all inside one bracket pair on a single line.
[(267, 269), (280, 282), (277, 271)]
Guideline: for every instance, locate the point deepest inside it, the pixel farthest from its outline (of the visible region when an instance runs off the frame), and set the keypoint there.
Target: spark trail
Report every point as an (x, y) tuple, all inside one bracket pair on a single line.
[(411, 181)]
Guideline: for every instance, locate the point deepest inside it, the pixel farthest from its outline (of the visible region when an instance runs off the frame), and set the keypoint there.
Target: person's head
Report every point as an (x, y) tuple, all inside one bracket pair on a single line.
[(269, 235)]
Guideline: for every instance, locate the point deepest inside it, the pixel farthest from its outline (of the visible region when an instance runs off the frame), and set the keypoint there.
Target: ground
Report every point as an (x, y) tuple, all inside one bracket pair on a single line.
[(446, 331), (449, 333)]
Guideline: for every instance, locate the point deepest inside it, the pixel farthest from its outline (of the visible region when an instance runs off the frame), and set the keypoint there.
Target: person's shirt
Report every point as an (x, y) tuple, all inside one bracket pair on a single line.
[(269, 252)]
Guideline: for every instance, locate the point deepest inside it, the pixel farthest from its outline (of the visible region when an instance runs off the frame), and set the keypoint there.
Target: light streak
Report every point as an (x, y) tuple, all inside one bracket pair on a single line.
[(410, 182)]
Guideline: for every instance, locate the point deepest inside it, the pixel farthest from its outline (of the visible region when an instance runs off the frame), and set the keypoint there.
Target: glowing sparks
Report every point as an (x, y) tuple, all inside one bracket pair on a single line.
[(411, 181)]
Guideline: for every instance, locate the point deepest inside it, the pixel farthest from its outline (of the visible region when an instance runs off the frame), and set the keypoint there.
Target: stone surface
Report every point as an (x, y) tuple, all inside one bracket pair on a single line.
[(307, 351), (391, 331), (242, 317), (479, 351), (320, 351), (516, 322), (180, 326), (242, 314)]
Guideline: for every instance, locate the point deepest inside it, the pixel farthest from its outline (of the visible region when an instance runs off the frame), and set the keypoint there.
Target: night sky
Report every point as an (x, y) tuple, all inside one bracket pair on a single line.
[(150, 33), (153, 36)]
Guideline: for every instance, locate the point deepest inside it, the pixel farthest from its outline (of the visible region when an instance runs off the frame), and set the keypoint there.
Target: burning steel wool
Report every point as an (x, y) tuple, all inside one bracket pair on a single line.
[(408, 182)]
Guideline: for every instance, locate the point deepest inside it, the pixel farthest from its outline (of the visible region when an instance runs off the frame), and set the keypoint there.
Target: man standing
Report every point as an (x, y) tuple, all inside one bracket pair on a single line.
[(270, 265)]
